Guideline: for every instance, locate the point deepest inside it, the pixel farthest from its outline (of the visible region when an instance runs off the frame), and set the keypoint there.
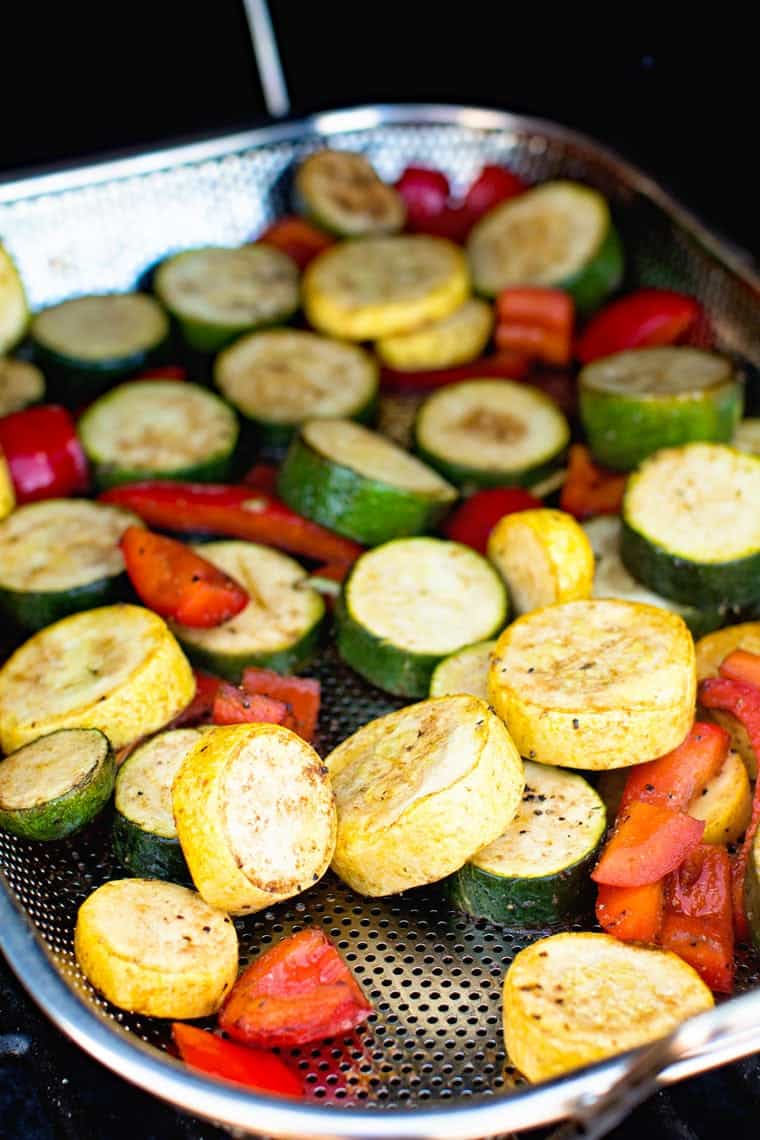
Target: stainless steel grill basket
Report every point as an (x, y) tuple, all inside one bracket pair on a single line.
[(431, 1061)]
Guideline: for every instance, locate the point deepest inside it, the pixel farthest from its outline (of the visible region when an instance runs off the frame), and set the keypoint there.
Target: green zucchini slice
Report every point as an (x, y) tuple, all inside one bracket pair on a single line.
[(282, 377), (691, 525), (280, 626), (216, 293), (158, 429), (342, 192), (61, 556), (747, 436), (465, 671), (486, 433), (144, 834), (360, 484), (635, 403), (560, 235), (14, 309), (21, 384), (56, 785), (536, 875), (409, 603), (87, 344)]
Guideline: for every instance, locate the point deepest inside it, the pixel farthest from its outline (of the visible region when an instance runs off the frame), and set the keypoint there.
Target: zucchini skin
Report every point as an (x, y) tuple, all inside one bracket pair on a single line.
[(148, 856), (395, 670), (231, 665), (275, 437), (215, 470), (34, 609), (469, 478), (601, 276), (76, 381)]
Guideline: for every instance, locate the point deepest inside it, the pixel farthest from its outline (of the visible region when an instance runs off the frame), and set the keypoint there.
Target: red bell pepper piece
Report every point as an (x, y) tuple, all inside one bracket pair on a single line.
[(675, 778), (235, 511), (589, 489), (166, 372), (264, 1072), (536, 321), (742, 666), (234, 706), (301, 694), (177, 583), (646, 317), (632, 914), (493, 185), (262, 476), (201, 707), (697, 922), (299, 991), (472, 522), (426, 194), (44, 456), (649, 841), (505, 365), (300, 240)]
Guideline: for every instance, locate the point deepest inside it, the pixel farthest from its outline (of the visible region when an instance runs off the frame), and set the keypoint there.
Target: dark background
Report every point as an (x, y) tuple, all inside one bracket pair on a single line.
[(82, 79)]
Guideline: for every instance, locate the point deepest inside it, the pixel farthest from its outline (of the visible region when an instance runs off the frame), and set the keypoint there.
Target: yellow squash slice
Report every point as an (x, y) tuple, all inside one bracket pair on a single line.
[(543, 556), (455, 339), (465, 671)]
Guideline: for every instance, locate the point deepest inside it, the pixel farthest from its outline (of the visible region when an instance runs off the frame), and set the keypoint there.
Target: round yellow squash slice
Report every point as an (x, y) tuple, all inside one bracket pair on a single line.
[(544, 556)]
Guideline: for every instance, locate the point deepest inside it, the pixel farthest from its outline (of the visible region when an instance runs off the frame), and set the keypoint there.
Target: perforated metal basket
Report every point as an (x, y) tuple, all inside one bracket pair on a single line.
[(431, 1061)]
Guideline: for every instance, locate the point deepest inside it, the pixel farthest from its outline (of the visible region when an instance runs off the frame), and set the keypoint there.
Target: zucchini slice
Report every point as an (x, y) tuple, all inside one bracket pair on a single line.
[(7, 493), (282, 377), (216, 294), (691, 525), (595, 684), (360, 484), (343, 193), (87, 344), (14, 308), (559, 234), (117, 668), (544, 557), (255, 815), (456, 339), (56, 785), (21, 384), (710, 652), (410, 603), (573, 999), (536, 874), (746, 436), (635, 403), (280, 626), (379, 287), (158, 430), (612, 580), (465, 671), (61, 556), (156, 948), (421, 790), (144, 833), (491, 433)]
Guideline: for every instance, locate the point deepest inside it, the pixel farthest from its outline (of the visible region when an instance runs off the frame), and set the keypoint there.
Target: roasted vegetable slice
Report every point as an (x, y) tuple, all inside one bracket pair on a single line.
[(465, 671), (543, 556), (21, 384), (343, 193), (455, 339)]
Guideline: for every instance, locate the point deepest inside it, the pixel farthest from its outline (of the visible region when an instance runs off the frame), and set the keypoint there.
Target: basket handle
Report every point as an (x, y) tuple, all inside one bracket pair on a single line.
[(267, 53)]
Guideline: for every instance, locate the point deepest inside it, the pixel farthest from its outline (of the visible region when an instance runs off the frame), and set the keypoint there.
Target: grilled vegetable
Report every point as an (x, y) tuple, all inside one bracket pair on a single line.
[(589, 489), (43, 453), (595, 684), (494, 184), (421, 790), (635, 403), (158, 430), (573, 999), (465, 671), (56, 785), (559, 234), (536, 874), (455, 339), (342, 193), (7, 495), (697, 922), (144, 833), (156, 948), (21, 384), (537, 321), (380, 287), (116, 668), (360, 484), (747, 436), (504, 365), (266, 774), (61, 556), (474, 519), (14, 308), (300, 694), (410, 603), (282, 377), (279, 628), (543, 556), (631, 914), (233, 705), (253, 1068), (485, 433), (216, 294), (691, 528), (297, 238), (645, 317)]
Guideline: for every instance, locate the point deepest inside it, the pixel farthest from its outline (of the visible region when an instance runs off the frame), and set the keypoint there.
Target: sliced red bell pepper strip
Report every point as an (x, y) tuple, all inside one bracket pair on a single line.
[(632, 914), (589, 489), (300, 240), (166, 372), (648, 842), (472, 522), (301, 694), (235, 511), (644, 318), (697, 921), (493, 185), (264, 1072), (675, 779), (234, 706), (426, 194), (505, 365), (536, 321), (201, 707), (742, 666), (177, 583), (44, 455), (262, 476), (299, 991)]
